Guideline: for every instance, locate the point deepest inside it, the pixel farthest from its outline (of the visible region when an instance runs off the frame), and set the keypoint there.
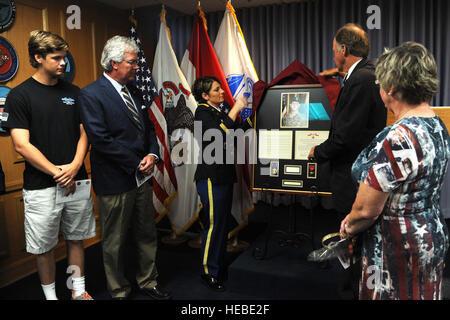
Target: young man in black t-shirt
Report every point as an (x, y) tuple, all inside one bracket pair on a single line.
[(45, 127)]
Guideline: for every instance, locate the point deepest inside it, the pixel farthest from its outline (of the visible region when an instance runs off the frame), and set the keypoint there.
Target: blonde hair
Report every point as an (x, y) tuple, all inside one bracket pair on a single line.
[(42, 43), (410, 71)]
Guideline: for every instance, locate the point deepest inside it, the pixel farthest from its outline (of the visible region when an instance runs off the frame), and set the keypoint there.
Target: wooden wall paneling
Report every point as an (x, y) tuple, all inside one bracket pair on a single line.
[(28, 18), (442, 112), (45, 26), (81, 48), (49, 13), (100, 38), (14, 232), (95, 60), (14, 222), (12, 163), (4, 243)]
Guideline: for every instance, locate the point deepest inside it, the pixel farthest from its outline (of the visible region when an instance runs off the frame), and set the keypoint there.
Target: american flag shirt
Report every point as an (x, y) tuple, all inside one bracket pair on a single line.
[(403, 252)]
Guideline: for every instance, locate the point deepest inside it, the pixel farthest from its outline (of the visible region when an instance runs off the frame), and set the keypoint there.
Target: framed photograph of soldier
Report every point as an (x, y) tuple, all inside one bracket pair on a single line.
[(289, 121), (294, 110)]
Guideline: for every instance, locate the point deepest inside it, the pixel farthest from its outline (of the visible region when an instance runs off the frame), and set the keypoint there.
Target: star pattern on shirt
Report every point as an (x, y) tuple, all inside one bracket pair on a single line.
[(421, 231)]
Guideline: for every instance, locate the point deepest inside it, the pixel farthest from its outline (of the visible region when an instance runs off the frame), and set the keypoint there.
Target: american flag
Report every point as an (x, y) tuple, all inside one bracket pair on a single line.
[(164, 179)]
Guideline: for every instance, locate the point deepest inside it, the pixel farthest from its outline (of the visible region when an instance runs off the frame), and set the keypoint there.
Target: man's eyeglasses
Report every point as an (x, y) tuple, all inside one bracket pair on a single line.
[(132, 62)]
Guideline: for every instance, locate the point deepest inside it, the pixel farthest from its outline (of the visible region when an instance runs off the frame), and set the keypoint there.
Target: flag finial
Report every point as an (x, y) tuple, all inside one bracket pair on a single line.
[(229, 6), (201, 14), (162, 16)]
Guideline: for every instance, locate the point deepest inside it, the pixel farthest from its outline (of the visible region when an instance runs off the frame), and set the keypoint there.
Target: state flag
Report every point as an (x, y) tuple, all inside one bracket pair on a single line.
[(179, 108)]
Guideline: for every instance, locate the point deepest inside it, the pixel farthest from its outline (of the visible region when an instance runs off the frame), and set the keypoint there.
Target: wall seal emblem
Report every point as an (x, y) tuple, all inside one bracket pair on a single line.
[(9, 62), (7, 14)]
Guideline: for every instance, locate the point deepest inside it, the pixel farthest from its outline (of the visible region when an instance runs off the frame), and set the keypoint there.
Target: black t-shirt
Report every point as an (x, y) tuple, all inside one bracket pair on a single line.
[(51, 115)]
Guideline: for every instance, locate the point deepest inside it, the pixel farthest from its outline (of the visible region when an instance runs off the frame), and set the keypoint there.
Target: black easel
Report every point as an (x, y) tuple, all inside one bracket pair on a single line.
[(290, 237)]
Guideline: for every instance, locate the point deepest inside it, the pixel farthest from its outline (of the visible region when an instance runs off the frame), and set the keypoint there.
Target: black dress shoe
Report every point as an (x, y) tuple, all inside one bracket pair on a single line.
[(157, 293), (212, 283)]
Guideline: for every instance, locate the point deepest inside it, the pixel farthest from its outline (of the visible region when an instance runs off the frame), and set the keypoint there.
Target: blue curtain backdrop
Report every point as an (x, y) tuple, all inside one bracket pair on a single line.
[(278, 34)]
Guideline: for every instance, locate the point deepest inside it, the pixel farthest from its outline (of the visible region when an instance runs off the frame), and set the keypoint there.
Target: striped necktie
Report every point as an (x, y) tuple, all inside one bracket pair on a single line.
[(344, 80), (131, 107)]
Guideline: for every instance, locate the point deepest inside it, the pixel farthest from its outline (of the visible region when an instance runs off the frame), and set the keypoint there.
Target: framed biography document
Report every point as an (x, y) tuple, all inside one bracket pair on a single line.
[(290, 120)]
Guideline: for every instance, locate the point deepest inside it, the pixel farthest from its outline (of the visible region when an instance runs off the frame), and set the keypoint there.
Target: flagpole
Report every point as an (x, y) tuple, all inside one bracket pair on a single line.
[(173, 238), (164, 180), (162, 16), (239, 212), (132, 18), (202, 15)]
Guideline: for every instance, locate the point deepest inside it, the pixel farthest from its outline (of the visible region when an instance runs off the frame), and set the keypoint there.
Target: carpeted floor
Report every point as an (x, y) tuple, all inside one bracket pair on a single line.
[(283, 273)]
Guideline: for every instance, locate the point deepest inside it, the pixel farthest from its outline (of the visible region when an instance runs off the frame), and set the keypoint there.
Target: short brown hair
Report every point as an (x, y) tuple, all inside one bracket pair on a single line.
[(203, 85), (42, 43), (355, 39)]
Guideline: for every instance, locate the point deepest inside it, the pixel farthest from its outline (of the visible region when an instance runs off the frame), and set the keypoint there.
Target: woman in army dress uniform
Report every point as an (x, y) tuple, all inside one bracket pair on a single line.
[(215, 177)]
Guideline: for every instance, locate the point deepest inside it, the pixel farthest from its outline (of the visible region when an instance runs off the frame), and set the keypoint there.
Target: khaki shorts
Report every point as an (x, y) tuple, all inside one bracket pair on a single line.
[(43, 218)]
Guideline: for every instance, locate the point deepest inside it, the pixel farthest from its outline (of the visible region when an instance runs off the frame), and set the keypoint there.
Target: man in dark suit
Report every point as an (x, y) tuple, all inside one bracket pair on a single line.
[(357, 118), (124, 146)]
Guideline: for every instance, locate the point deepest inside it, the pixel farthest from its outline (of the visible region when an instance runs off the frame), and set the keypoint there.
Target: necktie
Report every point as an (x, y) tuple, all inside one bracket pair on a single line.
[(131, 107), (342, 82)]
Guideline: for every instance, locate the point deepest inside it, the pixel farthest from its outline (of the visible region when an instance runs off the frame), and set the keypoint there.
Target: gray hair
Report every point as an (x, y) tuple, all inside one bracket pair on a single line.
[(410, 71), (115, 49)]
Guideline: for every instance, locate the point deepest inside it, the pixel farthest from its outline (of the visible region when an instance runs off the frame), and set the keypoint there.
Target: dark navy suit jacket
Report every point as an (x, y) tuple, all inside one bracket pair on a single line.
[(117, 143), (358, 117)]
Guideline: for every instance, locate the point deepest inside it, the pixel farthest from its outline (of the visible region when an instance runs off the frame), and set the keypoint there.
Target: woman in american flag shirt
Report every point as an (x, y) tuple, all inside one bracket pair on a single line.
[(400, 174)]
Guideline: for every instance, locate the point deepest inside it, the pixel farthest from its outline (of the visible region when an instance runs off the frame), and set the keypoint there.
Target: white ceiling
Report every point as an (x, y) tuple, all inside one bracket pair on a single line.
[(189, 6)]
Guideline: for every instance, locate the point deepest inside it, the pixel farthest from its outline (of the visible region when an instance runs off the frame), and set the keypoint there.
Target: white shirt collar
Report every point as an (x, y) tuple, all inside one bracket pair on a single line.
[(119, 87), (115, 83), (218, 109), (351, 69)]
